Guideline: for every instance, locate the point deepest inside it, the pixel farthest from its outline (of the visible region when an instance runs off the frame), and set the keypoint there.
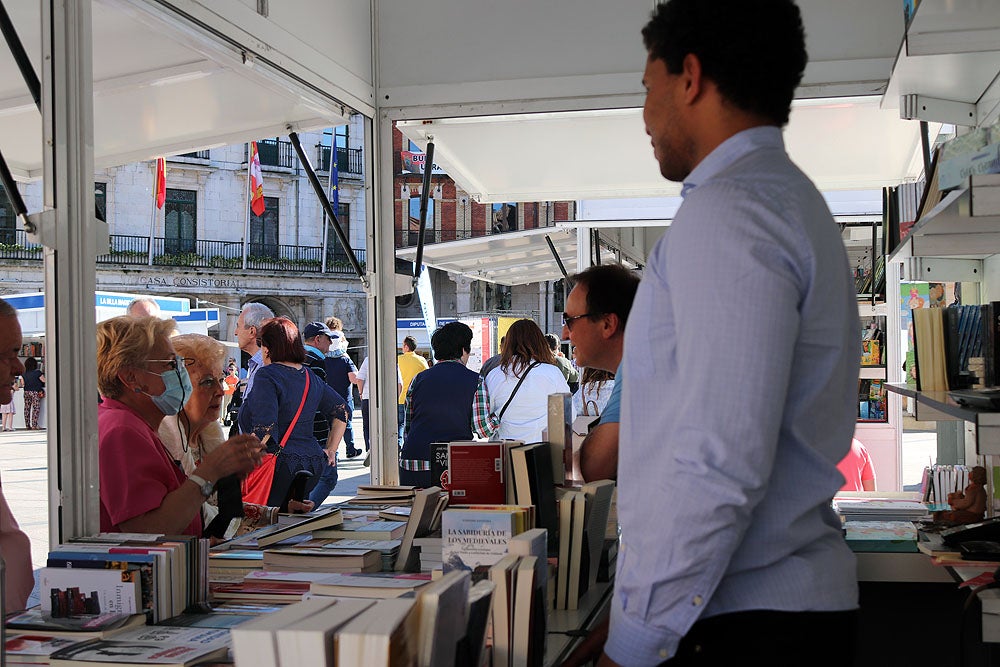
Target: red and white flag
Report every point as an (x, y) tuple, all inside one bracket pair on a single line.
[(256, 182), (161, 182)]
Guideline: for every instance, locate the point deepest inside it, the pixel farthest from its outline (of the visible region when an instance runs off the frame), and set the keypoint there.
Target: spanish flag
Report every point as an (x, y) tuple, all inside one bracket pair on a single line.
[(161, 182), (256, 182)]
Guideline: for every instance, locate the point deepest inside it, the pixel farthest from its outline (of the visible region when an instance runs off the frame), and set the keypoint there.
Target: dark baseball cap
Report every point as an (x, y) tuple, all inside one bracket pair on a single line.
[(314, 329)]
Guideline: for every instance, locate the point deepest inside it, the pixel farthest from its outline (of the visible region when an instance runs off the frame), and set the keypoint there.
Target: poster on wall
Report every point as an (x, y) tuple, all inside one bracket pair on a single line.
[(482, 341)]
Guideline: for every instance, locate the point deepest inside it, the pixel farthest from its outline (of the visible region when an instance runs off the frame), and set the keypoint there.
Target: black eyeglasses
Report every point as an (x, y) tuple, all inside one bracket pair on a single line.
[(569, 319), (172, 363)]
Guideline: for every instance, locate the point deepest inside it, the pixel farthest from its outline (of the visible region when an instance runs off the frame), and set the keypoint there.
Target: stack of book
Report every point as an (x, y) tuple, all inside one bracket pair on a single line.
[(879, 509), (881, 536), (430, 551), (387, 549), (233, 565), (383, 495), (170, 573), (519, 611)]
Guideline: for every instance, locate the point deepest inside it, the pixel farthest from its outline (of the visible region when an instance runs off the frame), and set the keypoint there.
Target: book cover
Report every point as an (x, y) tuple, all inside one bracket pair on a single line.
[(153, 579), (477, 472), (74, 591), (439, 465), (33, 649), (153, 645), (426, 506), (474, 540), (78, 628)]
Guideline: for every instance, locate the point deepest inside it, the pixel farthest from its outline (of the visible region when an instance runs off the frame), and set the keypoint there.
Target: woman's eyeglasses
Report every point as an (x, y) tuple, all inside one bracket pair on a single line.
[(172, 363)]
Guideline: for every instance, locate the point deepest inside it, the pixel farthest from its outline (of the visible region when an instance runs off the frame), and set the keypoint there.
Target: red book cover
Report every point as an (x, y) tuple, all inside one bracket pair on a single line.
[(477, 473)]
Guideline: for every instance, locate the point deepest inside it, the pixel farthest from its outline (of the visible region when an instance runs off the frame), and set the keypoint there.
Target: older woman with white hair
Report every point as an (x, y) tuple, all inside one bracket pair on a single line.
[(143, 379), (195, 431)]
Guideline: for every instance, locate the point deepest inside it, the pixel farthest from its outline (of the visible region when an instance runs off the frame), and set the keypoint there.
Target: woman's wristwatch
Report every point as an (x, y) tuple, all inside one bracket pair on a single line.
[(203, 485)]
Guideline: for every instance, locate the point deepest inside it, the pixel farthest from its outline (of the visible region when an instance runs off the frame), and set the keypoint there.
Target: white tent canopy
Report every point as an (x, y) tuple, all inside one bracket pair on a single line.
[(512, 258)]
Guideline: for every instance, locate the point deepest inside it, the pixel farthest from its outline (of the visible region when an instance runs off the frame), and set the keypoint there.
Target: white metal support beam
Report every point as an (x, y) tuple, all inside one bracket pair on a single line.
[(70, 261), (382, 319)]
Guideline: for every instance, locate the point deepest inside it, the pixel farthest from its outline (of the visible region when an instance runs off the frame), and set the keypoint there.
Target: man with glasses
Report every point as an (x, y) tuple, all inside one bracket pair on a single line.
[(247, 325), (594, 322)]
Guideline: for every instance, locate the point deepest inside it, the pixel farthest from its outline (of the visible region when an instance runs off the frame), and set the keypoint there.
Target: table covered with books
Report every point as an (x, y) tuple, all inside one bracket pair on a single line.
[(512, 576)]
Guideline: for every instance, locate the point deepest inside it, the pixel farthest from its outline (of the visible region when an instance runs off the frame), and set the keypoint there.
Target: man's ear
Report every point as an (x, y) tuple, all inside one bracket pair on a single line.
[(691, 71), (612, 325), (127, 378)]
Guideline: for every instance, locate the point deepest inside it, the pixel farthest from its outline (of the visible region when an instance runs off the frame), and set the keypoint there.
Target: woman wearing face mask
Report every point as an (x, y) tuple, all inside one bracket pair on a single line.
[(142, 380)]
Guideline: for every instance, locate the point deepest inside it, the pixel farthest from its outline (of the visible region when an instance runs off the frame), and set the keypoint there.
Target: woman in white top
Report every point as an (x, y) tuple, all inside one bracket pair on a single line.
[(526, 358), (595, 391)]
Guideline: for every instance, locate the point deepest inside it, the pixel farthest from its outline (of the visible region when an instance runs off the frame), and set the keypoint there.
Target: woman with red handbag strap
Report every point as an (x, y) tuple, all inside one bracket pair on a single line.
[(280, 411)]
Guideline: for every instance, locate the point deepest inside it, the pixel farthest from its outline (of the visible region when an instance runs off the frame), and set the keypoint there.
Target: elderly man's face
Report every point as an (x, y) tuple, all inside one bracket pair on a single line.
[(10, 364)]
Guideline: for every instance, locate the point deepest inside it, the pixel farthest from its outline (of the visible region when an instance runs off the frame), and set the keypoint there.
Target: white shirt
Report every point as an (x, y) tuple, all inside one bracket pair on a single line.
[(362, 375), (528, 414)]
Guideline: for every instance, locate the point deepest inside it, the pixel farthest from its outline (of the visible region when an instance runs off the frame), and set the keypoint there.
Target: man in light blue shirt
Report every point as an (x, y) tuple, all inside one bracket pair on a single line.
[(248, 325), (740, 367)]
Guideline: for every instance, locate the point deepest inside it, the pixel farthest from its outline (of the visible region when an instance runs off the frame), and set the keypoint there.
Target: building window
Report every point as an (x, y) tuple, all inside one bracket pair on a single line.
[(180, 229), (264, 230), (489, 297), (504, 218), (8, 221), (101, 201), (559, 296), (414, 221)]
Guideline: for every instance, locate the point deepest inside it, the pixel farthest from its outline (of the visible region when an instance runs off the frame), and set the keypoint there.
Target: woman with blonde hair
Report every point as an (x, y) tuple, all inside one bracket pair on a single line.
[(516, 392), (143, 380)]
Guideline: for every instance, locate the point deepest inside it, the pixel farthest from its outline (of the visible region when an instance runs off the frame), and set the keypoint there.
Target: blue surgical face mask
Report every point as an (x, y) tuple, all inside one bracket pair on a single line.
[(176, 392)]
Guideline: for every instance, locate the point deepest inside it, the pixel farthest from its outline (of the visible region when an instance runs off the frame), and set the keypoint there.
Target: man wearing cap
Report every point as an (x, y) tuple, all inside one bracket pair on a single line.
[(318, 338)]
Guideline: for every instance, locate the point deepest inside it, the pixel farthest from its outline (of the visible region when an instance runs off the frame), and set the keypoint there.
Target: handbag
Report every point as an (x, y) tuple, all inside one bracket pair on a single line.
[(257, 485), (493, 419)]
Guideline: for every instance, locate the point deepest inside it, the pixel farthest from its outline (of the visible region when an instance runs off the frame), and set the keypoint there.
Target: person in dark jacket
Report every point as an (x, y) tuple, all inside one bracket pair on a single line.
[(438, 403)]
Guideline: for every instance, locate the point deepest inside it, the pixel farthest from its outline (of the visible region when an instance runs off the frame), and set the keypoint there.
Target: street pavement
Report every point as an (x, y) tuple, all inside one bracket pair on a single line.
[(24, 473)]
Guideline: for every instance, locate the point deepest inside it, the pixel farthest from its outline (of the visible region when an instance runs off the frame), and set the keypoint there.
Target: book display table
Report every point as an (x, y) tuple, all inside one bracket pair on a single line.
[(566, 627)]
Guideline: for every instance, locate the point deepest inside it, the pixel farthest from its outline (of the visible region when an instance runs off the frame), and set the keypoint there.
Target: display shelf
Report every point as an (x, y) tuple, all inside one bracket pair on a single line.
[(949, 53), (938, 406), (965, 224)]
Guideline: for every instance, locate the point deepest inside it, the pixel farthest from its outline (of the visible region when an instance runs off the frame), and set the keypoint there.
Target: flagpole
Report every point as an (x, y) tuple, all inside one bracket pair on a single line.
[(152, 217), (246, 222), (329, 185)]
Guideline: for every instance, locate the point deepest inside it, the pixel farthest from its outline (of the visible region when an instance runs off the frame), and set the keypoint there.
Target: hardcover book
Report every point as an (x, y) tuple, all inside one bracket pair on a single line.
[(477, 472)]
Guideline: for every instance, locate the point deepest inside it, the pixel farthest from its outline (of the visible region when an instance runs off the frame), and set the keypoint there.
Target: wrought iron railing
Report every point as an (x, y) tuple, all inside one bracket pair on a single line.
[(275, 153), (14, 244), (127, 249), (198, 155), (349, 160)]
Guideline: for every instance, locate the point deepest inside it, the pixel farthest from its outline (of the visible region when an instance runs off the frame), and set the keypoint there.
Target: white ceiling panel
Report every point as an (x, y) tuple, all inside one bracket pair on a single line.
[(843, 144), (161, 87)]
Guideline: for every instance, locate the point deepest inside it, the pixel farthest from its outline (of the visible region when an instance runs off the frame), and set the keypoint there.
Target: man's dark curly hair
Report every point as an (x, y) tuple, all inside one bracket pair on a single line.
[(754, 50)]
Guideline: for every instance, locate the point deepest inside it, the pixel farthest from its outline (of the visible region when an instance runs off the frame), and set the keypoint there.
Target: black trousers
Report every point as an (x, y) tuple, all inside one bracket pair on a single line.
[(770, 638)]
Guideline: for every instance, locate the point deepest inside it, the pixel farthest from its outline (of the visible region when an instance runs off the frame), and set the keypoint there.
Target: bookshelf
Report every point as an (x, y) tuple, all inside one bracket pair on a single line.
[(938, 406)]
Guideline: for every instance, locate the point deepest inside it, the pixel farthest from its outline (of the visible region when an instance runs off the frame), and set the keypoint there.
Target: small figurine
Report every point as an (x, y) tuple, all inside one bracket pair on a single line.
[(967, 506)]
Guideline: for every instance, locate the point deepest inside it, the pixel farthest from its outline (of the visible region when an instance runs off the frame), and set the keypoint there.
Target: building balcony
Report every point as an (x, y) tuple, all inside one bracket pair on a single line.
[(199, 254), (349, 161), (274, 153)]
